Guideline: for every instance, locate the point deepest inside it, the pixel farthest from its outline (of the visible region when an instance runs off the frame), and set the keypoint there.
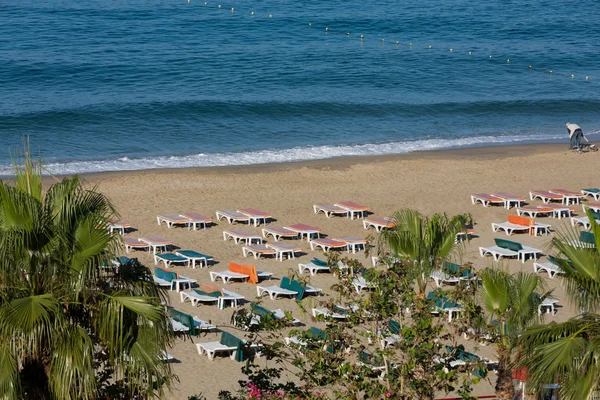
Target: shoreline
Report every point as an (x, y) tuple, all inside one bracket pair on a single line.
[(344, 162)]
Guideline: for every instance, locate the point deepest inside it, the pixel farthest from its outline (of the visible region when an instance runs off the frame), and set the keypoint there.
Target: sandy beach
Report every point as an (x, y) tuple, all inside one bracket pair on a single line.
[(430, 182)]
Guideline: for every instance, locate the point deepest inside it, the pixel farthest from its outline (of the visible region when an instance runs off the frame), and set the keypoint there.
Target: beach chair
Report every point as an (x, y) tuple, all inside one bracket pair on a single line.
[(182, 322), (327, 244), (156, 243), (592, 206), (586, 240), (258, 250), (486, 199), (568, 196), (593, 192), (585, 220), (169, 258), (239, 235), (194, 257), (444, 305), (136, 244), (303, 230), (509, 199), (312, 336), (391, 336), (457, 357), (255, 216), (119, 226), (378, 223), (545, 196), (240, 272), (227, 344), (353, 243), (172, 220), (353, 208), (548, 304), (208, 294), (551, 267), (507, 248), (171, 280), (284, 249), (287, 287), (559, 210), (535, 211), (231, 216), (376, 363), (259, 313), (516, 223), (329, 210), (314, 266), (279, 232), (196, 220), (360, 283), (452, 273)]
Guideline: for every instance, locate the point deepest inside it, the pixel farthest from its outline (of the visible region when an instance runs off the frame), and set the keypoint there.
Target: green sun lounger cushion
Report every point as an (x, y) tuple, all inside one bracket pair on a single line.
[(587, 237), (215, 294), (194, 254), (262, 312), (171, 257), (319, 263), (165, 275), (293, 285), (592, 190), (371, 359), (227, 339), (508, 244), (394, 327), (183, 318), (453, 269), (595, 214)]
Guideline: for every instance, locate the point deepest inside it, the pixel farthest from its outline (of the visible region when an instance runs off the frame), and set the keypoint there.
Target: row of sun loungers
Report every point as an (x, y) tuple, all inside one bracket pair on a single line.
[(508, 200)]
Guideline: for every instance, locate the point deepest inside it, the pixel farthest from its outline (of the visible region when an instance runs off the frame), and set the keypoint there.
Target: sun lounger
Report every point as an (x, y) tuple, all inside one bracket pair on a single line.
[(171, 280), (545, 196), (231, 216), (548, 304), (593, 192), (327, 244), (510, 199), (592, 206), (391, 336), (314, 266), (587, 240), (451, 273), (170, 258), (375, 363), (353, 243), (551, 267), (338, 312), (119, 226), (279, 232), (193, 257), (585, 220), (457, 356), (131, 243), (238, 235), (259, 313), (287, 287), (568, 196), (286, 249), (156, 243), (182, 322), (353, 208), (255, 216), (227, 344), (507, 248), (172, 220), (329, 210), (197, 220), (258, 250), (535, 211), (444, 304), (211, 294), (303, 230), (240, 272), (486, 199), (360, 284), (378, 223), (516, 223)]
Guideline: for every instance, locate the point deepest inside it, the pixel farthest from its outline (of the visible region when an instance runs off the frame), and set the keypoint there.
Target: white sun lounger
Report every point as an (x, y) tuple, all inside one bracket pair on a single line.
[(197, 220), (329, 210), (156, 243), (353, 208), (509, 228), (592, 206), (131, 243), (549, 305), (583, 220), (231, 216), (486, 199), (510, 199), (258, 250), (286, 249), (378, 223), (353, 243), (238, 235), (278, 314), (304, 230), (211, 348), (327, 244), (594, 192), (568, 196), (534, 211), (169, 258), (193, 257), (279, 232), (198, 323), (498, 252), (196, 298), (255, 216), (361, 284), (119, 226), (545, 196), (172, 219), (549, 267), (320, 311), (275, 291), (312, 268), (227, 276)]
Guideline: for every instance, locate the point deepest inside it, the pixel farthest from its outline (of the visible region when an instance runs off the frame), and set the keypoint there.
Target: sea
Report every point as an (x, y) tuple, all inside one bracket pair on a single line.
[(110, 85)]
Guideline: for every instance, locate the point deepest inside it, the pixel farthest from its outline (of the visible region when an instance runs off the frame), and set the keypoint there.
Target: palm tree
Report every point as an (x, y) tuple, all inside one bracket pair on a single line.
[(70, 327), (510, 303), (425, 242), (569, 352)]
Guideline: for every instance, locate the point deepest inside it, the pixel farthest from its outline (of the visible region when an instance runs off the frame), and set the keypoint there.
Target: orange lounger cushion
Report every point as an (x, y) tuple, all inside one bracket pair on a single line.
[(197, 217), (567, 192), (330, 242), (254, 212), (175, 218), (249, 270), (488, 197), (352, 205), (134, 242), (514, 219), (155, 240), (303, 228), (547, 194), (209, 288), (508, 196)]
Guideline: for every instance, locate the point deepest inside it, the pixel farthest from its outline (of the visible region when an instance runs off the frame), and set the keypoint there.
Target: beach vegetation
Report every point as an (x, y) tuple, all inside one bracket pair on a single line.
[(71, 325)]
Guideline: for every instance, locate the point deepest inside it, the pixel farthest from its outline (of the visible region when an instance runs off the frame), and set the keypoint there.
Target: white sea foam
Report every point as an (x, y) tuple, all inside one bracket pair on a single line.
[(280, 155)]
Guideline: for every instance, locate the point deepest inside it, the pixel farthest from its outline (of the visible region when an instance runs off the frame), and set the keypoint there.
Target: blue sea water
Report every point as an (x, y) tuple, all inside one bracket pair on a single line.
[(113, 84)]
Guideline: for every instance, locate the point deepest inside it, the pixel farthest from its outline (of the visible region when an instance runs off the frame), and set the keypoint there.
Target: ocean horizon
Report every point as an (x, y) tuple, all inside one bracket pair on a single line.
[(112, 85)]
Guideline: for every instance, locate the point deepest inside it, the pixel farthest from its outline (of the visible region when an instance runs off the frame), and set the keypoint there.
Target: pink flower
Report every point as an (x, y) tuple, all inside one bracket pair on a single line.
[(388, 394)]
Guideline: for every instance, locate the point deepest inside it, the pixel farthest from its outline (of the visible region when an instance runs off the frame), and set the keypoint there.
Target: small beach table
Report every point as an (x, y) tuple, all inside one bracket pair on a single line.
[(353, 243), (255, 216), (239, 235), (327, 244), (119, 226), (279, 232), (353, 208), (305, 230), (156, 243)]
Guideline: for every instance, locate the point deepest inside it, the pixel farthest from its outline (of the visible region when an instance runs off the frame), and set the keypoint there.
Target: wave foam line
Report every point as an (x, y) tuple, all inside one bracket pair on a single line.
[(270, 156)]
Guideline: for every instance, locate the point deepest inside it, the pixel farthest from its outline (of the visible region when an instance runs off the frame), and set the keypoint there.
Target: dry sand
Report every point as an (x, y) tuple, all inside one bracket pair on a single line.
[(430, 182)]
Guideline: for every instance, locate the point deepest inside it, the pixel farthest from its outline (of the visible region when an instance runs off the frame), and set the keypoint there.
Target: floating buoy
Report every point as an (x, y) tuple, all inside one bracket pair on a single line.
[(382, 40), (508, 60), (572, 76), (550, 71), (362, 37), (347, 33), (429, 47), (586, 78), (310, 25), (470, 53), (232, 9), (270, 15), (219, 6), (397, 43), (530, 67), (490, 56), (410, 44), (326, 29), (450, 50), (251, 12)]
